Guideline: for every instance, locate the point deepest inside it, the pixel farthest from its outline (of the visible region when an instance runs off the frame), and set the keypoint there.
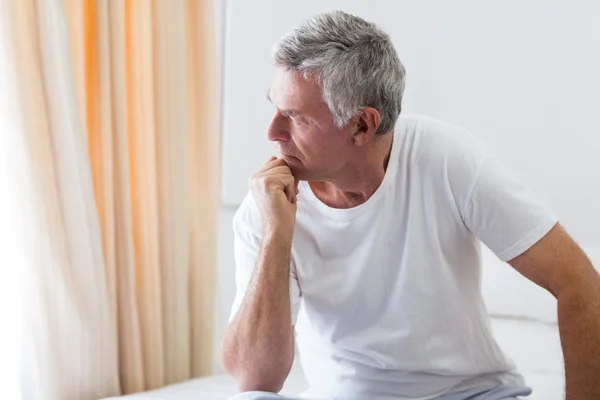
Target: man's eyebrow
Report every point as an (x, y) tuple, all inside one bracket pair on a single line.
[(287, 113)]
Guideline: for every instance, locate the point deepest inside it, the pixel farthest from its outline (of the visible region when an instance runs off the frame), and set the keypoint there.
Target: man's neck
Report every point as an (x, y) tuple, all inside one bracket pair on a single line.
[(356, 183)]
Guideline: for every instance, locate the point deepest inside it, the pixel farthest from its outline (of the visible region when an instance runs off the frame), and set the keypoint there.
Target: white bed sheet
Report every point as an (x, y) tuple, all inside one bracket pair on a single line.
[(535, 349), (218, 387), (533, 346)]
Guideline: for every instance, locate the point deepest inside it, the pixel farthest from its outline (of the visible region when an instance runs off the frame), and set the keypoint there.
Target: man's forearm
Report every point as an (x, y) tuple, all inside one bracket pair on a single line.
[(258, 346), (579, 324)]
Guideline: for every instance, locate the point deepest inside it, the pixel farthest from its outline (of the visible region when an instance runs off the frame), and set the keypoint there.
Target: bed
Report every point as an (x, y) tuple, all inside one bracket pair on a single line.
[(524, 323), (542, 367)]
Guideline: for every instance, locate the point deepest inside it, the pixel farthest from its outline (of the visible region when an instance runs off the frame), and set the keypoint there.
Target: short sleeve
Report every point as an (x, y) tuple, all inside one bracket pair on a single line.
[(504, 213), (247, 228)]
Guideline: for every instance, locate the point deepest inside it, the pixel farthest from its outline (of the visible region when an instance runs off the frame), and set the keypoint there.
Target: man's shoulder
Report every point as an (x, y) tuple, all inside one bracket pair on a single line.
[(434, 135), (437, 143)]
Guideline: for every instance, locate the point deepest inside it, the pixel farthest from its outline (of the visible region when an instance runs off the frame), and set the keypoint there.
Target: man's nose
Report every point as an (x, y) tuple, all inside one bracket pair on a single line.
[(278, 129)]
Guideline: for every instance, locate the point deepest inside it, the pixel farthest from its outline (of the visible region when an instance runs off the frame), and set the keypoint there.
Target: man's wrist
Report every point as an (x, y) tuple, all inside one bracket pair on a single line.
[(278, 235)]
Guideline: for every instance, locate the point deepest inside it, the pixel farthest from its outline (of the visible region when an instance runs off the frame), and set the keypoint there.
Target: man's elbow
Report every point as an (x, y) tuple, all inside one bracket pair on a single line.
[(228, 362), (251, 379), (249, 383)]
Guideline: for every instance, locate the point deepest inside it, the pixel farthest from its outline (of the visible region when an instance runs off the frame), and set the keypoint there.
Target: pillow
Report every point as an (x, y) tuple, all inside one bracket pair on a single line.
[(507, 293)]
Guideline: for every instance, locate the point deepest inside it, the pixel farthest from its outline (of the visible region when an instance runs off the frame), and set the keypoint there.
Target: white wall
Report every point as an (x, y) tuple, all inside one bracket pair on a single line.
[(523, 76)]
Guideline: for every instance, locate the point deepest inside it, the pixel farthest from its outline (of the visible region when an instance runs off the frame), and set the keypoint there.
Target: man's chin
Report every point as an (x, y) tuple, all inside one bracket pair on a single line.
[(292, 162), (298, 169), (289, 158)]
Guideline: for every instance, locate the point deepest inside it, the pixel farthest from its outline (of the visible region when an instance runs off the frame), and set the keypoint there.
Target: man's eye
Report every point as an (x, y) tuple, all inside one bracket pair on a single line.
[(299, 121)]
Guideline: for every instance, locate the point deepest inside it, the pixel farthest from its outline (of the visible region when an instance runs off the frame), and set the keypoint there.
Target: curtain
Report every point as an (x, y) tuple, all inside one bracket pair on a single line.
[(10, 304), (118, 107)]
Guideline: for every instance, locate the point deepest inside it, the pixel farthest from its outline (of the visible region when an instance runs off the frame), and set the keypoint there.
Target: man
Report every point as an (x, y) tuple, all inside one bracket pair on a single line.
[(363, 239)]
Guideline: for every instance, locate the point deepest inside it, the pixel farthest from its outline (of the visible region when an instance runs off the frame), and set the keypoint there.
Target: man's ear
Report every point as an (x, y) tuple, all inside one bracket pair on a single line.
[(366, 125)]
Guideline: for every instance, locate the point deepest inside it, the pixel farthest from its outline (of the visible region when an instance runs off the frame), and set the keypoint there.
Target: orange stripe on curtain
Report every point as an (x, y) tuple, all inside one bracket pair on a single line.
[(131, 361), (107, 137), (139, 50), (98, 128), (90, 48)]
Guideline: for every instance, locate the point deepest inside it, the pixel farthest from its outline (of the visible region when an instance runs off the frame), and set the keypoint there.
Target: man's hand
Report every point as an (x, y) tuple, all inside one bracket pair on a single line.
[(274, 189)]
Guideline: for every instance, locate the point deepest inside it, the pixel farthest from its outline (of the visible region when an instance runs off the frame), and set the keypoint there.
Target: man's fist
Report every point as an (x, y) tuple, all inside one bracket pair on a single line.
[(274, 189)]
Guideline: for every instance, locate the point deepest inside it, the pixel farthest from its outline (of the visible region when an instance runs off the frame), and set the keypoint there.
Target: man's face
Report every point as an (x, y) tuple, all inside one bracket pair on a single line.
[(303, 128)]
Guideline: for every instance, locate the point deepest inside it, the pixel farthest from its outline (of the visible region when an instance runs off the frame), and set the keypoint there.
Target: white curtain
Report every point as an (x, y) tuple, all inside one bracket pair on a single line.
[(69, 341), (112, 171), (10, 301)]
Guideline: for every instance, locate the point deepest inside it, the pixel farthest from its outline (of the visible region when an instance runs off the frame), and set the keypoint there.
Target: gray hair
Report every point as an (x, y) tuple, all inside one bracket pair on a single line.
[(353, 61)]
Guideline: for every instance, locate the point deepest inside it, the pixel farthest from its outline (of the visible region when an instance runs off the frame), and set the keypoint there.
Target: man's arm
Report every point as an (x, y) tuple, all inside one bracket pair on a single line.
[(258, 347), (557, 264)]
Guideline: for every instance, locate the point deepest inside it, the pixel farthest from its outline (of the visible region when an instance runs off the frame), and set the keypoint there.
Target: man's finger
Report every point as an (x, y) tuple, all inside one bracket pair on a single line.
[(289, 193), (279, 169), (271, 163)]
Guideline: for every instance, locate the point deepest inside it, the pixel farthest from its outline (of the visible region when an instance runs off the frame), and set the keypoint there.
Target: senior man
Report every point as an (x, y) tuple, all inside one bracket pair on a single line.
[(360, 244)]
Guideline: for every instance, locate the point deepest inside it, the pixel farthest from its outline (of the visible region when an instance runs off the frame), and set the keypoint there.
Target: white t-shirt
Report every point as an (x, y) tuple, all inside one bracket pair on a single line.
[(386, 296)]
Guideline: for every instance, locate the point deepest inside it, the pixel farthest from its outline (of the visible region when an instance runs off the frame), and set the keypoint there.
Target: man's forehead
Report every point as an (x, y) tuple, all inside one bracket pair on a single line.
[(289, 90)]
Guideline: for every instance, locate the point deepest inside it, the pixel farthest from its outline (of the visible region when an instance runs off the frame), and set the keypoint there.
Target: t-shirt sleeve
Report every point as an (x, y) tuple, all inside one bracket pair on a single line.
[(247, 228), (503, 212)]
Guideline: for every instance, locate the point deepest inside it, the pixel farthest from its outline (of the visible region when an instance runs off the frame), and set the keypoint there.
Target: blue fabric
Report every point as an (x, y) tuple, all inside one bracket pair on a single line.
[(496, 393)]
